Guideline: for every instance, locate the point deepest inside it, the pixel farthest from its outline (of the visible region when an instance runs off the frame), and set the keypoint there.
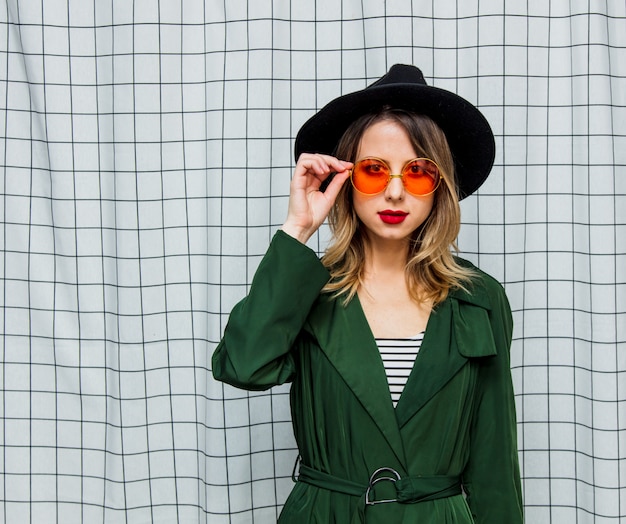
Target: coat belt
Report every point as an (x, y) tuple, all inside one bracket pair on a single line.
[(409, 490)]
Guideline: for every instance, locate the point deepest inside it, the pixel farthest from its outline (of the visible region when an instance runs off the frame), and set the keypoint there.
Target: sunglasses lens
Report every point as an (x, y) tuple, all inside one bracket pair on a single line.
[(421, 176), (370, 176)]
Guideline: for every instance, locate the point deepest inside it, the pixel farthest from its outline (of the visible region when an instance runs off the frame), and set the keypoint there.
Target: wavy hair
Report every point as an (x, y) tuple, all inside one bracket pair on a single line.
[(431, 269)]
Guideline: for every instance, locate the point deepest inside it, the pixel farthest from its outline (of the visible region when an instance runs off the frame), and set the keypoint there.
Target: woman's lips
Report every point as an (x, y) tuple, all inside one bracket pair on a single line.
[(389, 216)]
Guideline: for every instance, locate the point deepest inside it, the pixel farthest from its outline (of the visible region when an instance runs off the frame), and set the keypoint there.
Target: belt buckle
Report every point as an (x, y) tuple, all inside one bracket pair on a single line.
[(374, 479)]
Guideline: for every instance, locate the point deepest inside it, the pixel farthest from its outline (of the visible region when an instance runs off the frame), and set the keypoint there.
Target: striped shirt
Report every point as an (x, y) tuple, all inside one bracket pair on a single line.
[(398, 358)]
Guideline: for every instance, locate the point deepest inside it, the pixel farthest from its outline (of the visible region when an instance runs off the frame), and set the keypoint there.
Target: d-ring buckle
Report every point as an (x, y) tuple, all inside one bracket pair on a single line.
[(374, 479)]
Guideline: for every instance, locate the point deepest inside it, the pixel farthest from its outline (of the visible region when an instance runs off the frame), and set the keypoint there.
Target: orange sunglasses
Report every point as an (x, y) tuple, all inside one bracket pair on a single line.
[(371, 176)]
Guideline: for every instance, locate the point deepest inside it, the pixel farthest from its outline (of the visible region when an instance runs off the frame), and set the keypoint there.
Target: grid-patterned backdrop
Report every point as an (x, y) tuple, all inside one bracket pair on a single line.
[(146, 154)]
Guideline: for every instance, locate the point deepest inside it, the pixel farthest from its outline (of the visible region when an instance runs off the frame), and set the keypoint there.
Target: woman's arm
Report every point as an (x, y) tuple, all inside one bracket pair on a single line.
[(254, 351)]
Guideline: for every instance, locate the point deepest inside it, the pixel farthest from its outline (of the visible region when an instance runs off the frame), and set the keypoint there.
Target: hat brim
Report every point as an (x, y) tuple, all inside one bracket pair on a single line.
[(468, 133)]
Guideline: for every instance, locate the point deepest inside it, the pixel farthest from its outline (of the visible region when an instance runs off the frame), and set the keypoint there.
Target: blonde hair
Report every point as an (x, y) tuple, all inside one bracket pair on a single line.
[(431, 269)]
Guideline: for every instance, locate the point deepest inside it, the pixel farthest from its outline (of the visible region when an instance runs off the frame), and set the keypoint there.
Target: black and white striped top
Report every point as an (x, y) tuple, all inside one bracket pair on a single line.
[(398, 356)]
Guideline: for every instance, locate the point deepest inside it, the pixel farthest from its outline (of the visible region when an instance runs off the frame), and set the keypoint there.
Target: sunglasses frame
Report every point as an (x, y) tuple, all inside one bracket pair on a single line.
[(401, 176)]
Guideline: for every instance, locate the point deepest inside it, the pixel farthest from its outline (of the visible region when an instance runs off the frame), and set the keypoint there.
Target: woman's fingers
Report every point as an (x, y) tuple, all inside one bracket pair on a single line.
[(335, 185), (319, 167), (308, 206)]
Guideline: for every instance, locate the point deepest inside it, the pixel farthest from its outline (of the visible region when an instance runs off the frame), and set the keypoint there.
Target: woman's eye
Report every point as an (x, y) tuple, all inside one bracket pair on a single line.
[(374, 168), (416, 171)]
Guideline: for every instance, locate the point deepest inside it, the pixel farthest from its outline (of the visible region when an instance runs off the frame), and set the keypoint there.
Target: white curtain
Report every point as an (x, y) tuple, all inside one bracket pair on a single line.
[(146, 154)]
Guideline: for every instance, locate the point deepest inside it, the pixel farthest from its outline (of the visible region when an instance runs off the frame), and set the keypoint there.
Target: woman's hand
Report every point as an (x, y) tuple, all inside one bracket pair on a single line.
[(308, 206)]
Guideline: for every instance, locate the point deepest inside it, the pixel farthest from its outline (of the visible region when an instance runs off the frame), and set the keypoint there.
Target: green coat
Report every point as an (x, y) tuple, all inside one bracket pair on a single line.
[(455, 418)]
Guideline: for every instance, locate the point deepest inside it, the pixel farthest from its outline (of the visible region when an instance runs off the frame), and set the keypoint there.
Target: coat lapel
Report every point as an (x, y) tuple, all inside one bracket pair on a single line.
[(457, 329), (437, 362), (345, 337)]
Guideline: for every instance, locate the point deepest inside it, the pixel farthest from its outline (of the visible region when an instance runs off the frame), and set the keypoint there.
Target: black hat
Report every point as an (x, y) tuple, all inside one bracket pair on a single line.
[(468, 133)]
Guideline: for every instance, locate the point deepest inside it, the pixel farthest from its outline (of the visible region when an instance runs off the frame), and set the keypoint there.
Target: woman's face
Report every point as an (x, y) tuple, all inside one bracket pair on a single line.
[(392, 214)]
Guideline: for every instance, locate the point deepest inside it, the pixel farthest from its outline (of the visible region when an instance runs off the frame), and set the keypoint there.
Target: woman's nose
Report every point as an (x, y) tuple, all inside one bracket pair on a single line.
[(395, 189)]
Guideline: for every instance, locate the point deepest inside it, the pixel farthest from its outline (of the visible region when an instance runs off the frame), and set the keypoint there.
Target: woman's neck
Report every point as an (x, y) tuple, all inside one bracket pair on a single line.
[(384, 294), (386, 257)]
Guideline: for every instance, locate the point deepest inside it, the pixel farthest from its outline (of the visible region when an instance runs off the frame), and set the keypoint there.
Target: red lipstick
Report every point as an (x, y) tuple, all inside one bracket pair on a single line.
[(390, 216)]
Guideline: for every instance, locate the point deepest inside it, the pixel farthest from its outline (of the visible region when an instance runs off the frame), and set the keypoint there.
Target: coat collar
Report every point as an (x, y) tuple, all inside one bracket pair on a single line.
[(457, 329)]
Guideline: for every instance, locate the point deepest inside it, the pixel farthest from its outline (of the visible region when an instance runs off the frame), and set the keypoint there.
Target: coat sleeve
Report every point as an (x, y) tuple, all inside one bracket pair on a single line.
[(254, 351), (492, 478)]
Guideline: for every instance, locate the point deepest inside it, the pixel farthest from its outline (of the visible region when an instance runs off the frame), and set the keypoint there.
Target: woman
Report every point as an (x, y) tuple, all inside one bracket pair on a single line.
[(398, 352)]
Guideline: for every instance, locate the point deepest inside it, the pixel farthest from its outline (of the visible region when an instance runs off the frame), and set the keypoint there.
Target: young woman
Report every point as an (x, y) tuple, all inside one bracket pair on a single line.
[(397, 351)]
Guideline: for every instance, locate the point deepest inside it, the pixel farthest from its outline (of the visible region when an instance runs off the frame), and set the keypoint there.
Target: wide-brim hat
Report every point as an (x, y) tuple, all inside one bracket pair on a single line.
[(468, 133)]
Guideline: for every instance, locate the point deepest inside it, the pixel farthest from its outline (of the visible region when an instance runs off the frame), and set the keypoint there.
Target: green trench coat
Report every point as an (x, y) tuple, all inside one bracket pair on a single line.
[(455, 418)]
